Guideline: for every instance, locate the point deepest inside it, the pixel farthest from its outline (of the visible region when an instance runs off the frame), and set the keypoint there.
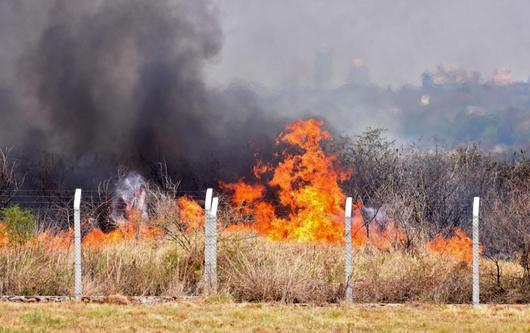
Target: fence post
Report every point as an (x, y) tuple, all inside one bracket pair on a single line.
[(208, 201), (476, 250), (78, 290), (348, 254), (210, 246)]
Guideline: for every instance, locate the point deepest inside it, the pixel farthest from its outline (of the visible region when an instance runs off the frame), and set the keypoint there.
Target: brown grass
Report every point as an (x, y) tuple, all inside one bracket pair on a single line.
[(263, 270), (257, 270)]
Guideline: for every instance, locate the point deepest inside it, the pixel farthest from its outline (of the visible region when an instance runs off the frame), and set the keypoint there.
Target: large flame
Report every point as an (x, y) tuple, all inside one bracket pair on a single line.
[(307, 201)]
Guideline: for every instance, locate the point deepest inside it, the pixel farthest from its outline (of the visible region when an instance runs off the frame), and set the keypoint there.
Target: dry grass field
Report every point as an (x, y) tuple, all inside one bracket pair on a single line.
[(225, 316), (257, 270)]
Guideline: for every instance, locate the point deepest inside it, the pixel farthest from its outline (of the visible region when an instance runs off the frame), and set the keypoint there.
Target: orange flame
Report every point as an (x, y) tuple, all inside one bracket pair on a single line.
[(48, 240), (191, 213), (4, 236), (60, 241), (459, 246), (133, 229), (244, 195), (308, 202), (382, 238), (297, 198), (308, 185), (260, 169)]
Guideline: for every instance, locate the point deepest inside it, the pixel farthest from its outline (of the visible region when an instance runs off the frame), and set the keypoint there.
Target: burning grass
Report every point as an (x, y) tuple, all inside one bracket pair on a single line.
[(281, 239), (459, 246)]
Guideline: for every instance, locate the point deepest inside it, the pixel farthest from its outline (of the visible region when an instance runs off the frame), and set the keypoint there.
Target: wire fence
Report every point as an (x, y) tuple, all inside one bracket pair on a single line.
[(71, 208)]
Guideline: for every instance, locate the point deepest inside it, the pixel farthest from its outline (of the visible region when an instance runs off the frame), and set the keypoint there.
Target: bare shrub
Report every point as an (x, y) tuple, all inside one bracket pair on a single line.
[(427, 192), (9, 181), (507, 231)]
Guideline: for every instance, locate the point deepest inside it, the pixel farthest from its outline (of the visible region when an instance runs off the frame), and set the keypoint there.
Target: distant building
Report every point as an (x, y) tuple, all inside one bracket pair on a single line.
[(502, 77), (426, 80), (323, 69), (452, 75), (358, 73)]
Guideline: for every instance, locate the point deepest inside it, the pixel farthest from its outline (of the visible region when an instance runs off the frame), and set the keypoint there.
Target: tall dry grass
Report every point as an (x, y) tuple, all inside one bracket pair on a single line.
[(129, 268), (35, 271), (145, 268), (263, 270), (256, 269)]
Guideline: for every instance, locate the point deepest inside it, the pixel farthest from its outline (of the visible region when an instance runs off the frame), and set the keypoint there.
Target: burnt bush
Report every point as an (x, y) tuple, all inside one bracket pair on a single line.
[(428, 191)]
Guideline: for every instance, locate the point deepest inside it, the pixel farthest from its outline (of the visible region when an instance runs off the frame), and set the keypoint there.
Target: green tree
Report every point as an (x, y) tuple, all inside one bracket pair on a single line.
[(20, 223)]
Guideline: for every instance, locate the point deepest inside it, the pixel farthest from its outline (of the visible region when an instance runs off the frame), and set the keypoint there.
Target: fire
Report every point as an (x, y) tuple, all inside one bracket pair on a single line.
[(127, 232), (297, 196), (97, 238), (190, 213), (459, 246), (135, 228), (382, 238), (4, 236), (47, 239), (309, 199), (244, 193), (59, 241), (260, 169), (307, 202)]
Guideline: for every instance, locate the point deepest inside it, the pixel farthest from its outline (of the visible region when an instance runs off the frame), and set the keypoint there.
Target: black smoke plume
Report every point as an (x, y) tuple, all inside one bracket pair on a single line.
[(90, 86)]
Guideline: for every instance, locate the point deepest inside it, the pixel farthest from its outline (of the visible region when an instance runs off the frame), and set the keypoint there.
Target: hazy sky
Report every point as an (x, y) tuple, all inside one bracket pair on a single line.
[(273, 43)]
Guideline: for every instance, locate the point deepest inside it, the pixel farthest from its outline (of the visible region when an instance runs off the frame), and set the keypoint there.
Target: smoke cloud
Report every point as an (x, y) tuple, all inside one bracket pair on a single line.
[(274, 42), (360, 63), (102, 84), (87, 87)]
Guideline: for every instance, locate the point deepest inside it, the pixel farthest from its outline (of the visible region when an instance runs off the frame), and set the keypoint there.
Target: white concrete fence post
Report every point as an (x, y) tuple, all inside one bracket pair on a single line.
[(208, 201), (476, 252), (210, 244), (348, 254), (78, 289)]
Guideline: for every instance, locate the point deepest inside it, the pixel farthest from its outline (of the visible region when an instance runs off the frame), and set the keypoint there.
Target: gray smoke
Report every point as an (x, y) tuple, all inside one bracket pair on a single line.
[(87, 87), (108, 83), (360, 63), (130, 193)]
